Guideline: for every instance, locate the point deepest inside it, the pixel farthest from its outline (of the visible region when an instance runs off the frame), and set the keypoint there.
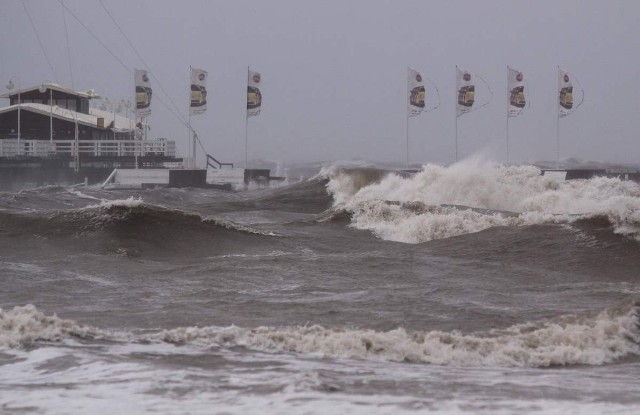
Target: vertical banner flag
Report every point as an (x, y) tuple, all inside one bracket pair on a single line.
[(466, 91), (515, 85), (198, 91), (143, 93), (254, 96), (565, 91), (416, 93)]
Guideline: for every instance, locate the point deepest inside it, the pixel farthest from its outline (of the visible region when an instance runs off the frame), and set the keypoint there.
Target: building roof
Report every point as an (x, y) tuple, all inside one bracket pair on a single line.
[(122, 124), (91, 94)]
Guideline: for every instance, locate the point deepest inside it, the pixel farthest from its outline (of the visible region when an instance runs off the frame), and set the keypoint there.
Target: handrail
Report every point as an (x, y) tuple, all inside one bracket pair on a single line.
[(111, 176), (44, 148), (210, 157)]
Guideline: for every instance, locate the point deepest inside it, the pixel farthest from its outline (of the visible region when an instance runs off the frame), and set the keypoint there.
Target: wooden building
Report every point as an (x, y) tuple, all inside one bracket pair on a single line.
[(59, 131)]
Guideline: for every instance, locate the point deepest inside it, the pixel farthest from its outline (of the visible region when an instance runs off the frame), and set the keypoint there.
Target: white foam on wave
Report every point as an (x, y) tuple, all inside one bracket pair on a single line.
[(270, 254), (590, 340), (237, 227), (79, 194), (26, 324), (104, 213), (128, 374), (329, 169), (394, 222), (485, 185), (571, 340), (130, 202)]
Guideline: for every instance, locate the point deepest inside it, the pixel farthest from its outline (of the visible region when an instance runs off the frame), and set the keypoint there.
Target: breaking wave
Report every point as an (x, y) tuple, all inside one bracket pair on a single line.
[(441, 202), (27, 325), (109, 213), (587, 339), (132, 228)]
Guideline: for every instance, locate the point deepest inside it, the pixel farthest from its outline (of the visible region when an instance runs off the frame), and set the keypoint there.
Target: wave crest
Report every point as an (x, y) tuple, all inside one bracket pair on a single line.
[(24, 325), (569, 340), (478, 194), (111, 212), (598, 339)]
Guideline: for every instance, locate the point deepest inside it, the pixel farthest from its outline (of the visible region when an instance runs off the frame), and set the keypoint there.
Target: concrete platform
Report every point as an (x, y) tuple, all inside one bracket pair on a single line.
[(224, 178)]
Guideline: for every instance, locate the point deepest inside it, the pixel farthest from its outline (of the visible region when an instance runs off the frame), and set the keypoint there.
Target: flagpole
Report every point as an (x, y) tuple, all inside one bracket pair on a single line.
[(456, 134), (508, 98), (407, 130), (135, 122), (246, 126), (558, 139), (193, 136), (455, 103), (407, 140), (189, 128), (558, 122), (192, 163)]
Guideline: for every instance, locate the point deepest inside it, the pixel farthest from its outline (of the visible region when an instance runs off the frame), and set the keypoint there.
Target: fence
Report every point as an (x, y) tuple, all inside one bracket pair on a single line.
[(119, 148)]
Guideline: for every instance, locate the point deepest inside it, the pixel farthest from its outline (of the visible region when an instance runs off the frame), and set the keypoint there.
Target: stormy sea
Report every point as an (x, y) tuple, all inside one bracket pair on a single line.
[(476, 288)]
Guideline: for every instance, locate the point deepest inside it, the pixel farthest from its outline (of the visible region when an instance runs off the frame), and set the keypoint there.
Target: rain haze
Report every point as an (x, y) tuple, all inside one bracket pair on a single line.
[(334, 72), (340, 270)]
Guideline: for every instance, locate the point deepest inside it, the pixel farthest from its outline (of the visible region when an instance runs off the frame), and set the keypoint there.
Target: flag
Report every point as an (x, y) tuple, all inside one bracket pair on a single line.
[(143, 92), (565, 94), (198, 91), (515, 87), (254, 96), (466, 91), (416, 90)]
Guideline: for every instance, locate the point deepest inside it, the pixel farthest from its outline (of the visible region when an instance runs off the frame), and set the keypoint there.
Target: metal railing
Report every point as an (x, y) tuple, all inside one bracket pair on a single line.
[(220, 164), (119, 148)]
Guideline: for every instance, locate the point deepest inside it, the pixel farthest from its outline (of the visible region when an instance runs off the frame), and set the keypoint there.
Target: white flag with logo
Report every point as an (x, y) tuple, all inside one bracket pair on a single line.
[(198, 91), (515, 86), (565, 94), (254, 95), (416, 91), (466, 91), (143, 92)]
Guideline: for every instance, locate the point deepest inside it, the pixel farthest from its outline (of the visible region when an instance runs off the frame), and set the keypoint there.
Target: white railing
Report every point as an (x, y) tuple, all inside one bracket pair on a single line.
[(44, 148)]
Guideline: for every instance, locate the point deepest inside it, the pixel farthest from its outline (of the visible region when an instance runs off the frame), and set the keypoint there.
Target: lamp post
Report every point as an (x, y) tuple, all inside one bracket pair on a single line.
[(76, 141), (117, 109), (113, 107), (127, 105), (43, 88), (106, 105), (10, 86)]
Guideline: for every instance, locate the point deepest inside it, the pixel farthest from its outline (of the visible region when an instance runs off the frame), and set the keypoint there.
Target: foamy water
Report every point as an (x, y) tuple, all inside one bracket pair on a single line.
[(485, 185), (178, 301), (66, 370), (569, 340), (130, 202), (280, 385)]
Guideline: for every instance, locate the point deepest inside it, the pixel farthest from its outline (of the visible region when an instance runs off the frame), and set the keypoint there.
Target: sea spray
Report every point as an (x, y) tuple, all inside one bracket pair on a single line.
[(483, 185)]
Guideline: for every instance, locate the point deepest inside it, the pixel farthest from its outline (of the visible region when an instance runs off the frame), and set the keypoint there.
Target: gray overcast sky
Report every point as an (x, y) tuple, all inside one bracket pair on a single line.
[(334, 72)]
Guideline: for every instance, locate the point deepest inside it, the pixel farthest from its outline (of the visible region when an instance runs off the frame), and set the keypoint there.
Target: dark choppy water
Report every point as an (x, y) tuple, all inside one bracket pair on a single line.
[(353, 292)]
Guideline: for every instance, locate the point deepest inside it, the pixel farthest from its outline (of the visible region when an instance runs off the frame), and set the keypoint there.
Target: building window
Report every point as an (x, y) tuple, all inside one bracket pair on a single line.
[(84, 106)]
